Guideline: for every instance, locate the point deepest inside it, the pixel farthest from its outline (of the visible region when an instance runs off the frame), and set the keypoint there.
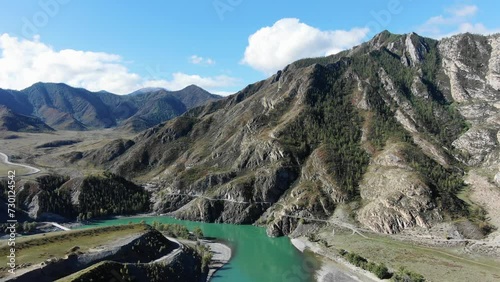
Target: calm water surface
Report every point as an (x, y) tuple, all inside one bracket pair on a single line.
[(255, 257)]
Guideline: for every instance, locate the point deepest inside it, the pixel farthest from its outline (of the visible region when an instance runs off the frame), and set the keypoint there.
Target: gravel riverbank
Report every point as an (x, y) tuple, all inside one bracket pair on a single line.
[(333, 268), (221, 254)]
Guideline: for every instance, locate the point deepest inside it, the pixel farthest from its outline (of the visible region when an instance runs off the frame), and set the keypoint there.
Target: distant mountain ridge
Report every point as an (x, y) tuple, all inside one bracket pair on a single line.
[(10, 121), (67, 108)]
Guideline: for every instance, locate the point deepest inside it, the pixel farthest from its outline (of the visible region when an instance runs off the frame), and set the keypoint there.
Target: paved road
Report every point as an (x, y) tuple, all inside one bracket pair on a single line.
[(5, 159)]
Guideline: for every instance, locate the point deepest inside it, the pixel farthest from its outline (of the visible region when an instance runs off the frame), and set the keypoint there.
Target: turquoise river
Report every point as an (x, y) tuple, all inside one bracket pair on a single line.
[(255, 257)]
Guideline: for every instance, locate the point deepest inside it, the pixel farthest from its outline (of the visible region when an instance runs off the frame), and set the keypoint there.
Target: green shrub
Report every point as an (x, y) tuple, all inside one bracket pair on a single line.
[(198, 233), (380, 270), (405, 275), (172, 230)]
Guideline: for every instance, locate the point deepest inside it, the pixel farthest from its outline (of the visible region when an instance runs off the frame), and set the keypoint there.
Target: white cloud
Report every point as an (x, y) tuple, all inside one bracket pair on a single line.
[(273, 47), (197, 60), (457, 19), (463, 11), (25, 62)]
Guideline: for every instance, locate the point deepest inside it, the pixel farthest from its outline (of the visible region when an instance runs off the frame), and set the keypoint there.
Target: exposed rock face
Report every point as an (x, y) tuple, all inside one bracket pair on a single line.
[(257, 155), (497, 179), (397, 196), (315, 195), (493, 75), (472, 64), (477, 143), (415, 48)]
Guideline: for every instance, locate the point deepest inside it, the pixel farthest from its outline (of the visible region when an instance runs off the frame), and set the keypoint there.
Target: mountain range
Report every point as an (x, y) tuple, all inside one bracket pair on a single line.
[(396, 134), (63, 107), (385, 135)]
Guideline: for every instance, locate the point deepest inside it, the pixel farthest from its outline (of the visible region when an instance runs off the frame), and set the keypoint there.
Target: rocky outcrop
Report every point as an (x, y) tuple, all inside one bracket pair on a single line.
[(497, 179), (476, 144), (396, 196), (315, 196)]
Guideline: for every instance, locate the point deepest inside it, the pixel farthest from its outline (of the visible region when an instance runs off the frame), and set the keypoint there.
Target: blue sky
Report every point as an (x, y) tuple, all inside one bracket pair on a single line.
[(221, 45)]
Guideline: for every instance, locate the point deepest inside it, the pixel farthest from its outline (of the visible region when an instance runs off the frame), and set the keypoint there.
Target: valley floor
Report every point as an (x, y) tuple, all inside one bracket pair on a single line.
[(434, 263), (26, 147)]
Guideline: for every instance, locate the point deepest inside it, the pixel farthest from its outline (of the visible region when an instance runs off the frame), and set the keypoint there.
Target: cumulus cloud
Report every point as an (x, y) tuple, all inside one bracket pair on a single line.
[(273, 47), (24, 62), (457, 19), (197, 60)]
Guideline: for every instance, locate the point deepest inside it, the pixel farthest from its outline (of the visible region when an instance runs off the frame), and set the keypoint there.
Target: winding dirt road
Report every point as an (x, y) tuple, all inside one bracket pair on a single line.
[(5, 159)]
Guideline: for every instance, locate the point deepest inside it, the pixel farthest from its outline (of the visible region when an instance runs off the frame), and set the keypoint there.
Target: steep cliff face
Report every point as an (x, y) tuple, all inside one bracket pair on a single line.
[(387, 127)]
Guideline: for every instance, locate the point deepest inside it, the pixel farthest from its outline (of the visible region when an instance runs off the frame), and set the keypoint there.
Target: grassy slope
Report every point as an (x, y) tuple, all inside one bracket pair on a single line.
[(38, 248), (4, 169)]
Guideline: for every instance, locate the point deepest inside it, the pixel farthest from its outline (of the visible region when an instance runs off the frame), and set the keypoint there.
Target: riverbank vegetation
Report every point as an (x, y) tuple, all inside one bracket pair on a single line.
[(21, 228), (178, 230), (405, 275), (380, 270)]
